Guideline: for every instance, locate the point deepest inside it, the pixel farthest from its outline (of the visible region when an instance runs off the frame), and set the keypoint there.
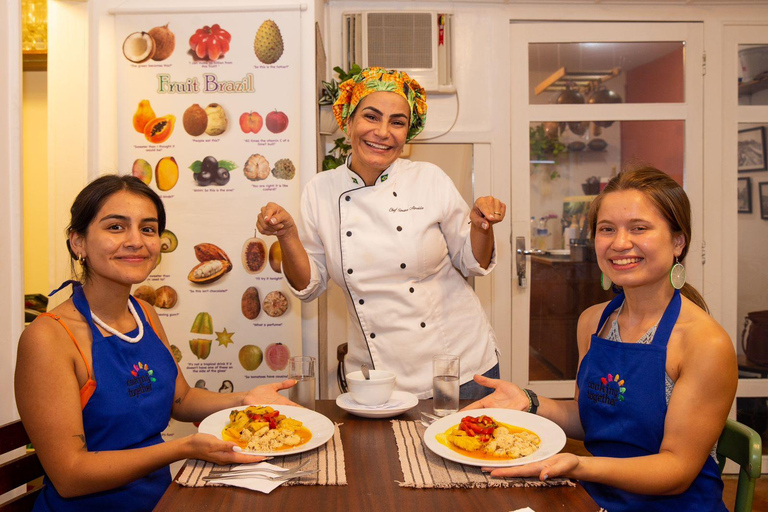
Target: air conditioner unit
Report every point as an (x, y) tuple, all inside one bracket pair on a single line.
[(418, 43)]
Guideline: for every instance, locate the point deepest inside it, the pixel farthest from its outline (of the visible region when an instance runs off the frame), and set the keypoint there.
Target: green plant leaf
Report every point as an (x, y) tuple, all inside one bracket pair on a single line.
[(228, 165), (196, 166)]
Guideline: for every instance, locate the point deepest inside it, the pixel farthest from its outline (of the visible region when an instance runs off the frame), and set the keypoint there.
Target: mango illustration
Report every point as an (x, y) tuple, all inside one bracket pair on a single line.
[(166, 173), (142, 170)]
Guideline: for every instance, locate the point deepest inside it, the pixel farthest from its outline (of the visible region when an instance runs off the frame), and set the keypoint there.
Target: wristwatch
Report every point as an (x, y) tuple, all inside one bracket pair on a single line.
[(533, 400)]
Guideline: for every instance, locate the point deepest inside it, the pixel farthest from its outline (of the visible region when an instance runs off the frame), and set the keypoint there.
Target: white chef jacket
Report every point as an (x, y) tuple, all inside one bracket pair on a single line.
[(392, 248)]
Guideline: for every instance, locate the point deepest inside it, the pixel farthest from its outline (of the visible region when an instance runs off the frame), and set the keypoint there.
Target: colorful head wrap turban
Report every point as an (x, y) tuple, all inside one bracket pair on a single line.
[(375, 79)]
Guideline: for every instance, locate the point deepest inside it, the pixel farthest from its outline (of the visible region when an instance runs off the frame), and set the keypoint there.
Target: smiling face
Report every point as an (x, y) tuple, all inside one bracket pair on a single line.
[(377, 131), (122, 242), (633, 242)]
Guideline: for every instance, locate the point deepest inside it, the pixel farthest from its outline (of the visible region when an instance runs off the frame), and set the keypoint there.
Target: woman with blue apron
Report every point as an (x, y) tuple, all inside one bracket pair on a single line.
[(95, 395), (651, 408), (623, 385)]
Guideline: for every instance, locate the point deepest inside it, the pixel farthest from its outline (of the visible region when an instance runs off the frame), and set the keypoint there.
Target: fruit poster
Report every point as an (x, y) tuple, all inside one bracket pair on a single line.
[(208, 116)]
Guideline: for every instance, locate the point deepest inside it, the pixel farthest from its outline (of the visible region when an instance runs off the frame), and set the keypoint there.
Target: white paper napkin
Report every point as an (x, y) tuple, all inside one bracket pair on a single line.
[(255, 483)]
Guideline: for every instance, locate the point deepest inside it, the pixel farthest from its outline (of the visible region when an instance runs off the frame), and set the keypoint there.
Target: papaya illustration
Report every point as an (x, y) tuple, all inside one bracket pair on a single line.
[(143, 115), (159, 129)]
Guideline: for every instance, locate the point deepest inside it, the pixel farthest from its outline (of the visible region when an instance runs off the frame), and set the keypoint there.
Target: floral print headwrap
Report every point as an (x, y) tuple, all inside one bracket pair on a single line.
[(376, 79)]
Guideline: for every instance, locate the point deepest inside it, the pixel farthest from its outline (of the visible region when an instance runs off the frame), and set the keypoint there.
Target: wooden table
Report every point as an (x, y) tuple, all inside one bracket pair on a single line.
[(373, 470)]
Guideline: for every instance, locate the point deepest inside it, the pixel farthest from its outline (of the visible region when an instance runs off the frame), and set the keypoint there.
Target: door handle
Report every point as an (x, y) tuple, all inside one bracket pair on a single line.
[(520, 253)]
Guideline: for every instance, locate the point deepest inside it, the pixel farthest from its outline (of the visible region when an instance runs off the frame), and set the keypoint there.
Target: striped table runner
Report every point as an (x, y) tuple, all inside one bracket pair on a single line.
[(423, 469)]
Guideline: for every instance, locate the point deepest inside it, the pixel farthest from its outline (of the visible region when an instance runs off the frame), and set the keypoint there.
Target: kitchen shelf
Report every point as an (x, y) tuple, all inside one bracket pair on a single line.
[(558, 80), (754, 86)]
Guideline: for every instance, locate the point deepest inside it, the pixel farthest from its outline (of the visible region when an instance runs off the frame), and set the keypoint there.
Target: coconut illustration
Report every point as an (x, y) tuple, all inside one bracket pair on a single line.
[(165, 42), (139, 47)]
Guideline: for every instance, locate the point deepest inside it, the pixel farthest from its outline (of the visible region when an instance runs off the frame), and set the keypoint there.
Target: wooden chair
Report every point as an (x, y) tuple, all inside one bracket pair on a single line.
[(341, 371), (22, 470), (742, 445)]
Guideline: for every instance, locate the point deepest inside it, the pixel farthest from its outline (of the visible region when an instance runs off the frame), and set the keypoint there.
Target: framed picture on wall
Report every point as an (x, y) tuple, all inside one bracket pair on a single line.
[(764, 200), (745, 195), (752, 155)]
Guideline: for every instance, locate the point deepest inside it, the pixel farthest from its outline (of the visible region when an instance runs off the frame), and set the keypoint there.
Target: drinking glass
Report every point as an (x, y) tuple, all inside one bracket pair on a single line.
[(445, 384), (302, 370)]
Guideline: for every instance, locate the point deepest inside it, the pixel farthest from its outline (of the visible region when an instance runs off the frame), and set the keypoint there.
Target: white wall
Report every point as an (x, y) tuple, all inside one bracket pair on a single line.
[(481, 75), (11, 280)]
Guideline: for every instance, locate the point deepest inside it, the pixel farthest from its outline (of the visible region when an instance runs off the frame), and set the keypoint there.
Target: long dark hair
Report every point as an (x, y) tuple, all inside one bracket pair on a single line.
[(668, 197), (90, 200)]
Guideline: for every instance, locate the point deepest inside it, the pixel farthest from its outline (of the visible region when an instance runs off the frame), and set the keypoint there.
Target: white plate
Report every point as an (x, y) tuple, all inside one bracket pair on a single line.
[(407, 401), (552, 436), (320, 426)]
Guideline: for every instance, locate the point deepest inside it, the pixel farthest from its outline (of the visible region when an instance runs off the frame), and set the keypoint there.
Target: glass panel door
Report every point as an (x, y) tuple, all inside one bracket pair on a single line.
[(746, 124), (600, 97)]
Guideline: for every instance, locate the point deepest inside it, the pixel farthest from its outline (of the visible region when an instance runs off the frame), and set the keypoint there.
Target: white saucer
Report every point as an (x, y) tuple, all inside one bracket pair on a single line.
[(398, 403)]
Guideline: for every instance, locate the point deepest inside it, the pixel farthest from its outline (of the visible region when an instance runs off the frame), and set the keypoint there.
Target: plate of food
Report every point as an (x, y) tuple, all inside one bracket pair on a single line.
[(494, 437), (269, 431)]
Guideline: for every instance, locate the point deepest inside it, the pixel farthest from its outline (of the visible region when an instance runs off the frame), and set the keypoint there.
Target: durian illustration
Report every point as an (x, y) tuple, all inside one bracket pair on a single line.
[(268, 44)]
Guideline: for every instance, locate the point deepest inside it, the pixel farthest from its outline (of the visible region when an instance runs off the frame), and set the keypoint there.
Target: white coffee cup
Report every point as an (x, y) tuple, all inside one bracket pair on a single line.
[(375, 391)]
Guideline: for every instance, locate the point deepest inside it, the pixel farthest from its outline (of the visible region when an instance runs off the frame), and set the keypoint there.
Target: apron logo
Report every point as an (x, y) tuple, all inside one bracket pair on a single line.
[(609, 390), (384, 178), (141, 380)]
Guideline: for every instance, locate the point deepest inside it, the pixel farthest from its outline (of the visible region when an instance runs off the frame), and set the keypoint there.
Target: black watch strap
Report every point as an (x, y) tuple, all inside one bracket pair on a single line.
[(534, 399)]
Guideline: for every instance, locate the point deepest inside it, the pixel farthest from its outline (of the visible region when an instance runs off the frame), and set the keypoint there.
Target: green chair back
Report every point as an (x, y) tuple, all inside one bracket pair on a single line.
[(742, 445)]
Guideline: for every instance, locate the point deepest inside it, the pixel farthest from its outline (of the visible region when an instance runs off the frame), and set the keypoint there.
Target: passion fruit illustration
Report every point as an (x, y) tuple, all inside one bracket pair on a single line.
[(254, 255), (227, 387), (145, 293), (276, 355), (139, 47), (250, 357)]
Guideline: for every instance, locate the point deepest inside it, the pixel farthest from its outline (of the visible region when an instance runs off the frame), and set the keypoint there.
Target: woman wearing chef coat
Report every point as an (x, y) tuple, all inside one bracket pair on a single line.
[(392, 234)]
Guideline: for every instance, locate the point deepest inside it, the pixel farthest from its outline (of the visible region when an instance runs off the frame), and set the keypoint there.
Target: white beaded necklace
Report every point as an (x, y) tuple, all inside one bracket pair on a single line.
[(118, 333)]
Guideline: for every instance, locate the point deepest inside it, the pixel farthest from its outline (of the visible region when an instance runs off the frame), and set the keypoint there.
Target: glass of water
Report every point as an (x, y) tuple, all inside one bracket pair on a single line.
[(445, 384), (302, 370)]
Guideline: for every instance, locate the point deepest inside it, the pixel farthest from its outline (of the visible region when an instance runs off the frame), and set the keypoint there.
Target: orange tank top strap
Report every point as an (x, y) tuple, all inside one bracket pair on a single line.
[(148, 317), (90, 385)]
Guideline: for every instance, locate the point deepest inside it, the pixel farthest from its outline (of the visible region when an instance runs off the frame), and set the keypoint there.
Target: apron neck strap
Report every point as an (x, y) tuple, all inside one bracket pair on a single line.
[(668, 320), (610, 308)]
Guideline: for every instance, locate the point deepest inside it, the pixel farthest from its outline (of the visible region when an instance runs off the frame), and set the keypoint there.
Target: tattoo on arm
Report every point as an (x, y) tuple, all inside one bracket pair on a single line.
[(178, 400), (82, 438)]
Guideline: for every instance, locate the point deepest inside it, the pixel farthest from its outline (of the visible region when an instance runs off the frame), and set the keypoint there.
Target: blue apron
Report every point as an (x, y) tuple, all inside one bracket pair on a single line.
[(622, 405), (130, 408)]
